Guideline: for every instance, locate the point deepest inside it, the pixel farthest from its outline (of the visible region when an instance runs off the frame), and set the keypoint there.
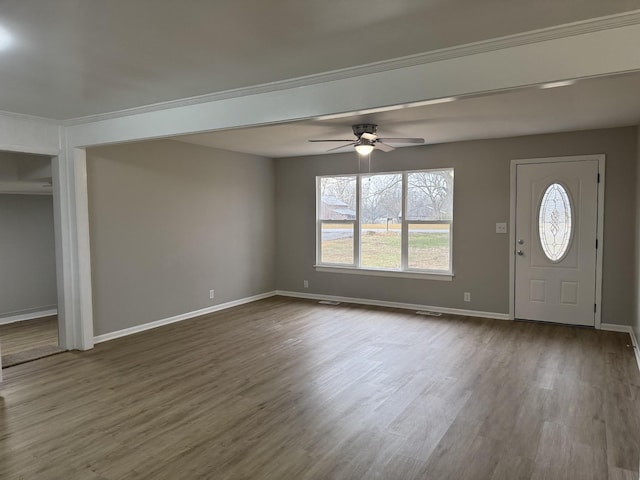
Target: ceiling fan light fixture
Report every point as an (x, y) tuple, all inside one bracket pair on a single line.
[(367, 140), (364, 148)]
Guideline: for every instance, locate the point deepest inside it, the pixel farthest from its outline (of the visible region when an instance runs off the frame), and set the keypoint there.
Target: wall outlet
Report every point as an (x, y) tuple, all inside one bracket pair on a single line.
[(212, 294), (467, 296), (501, 228), (306, 284)]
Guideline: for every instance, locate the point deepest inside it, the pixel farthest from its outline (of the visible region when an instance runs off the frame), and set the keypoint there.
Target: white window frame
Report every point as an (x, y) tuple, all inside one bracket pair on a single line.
[(355, 223), (356, 268)]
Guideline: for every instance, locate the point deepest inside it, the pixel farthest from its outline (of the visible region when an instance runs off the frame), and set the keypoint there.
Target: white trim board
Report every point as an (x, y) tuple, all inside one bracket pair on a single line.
[(636, 346), (407, 306), (612, 327), (178, 318), (28, 316)]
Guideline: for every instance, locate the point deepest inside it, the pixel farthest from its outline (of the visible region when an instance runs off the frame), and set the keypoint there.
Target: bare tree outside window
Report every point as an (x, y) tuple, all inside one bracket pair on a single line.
[(381, 197), (381, 208), (430, 195), (429, 214)]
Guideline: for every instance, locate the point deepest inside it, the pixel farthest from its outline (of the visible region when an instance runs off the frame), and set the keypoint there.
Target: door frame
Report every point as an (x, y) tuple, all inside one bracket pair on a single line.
[(599, 227), (53, 155)]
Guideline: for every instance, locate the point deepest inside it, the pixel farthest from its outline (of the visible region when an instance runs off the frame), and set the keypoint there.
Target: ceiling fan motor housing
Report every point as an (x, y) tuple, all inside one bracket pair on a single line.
[(361, 128)]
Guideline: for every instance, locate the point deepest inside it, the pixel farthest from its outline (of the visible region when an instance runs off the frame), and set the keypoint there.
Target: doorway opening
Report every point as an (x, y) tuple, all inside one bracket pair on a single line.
[(28, 285)]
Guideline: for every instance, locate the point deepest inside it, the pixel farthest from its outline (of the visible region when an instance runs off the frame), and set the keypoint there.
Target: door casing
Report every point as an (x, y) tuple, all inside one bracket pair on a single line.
[(599, 228)]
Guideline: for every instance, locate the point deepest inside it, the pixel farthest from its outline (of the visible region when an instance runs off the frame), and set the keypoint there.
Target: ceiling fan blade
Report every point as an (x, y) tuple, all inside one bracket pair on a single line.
[(332, 140), (402, 140), (383, 146), (343, 146), (368, 136)]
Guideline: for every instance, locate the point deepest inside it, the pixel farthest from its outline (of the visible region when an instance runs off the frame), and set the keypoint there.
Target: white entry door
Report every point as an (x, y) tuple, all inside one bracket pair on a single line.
[(555, 241)]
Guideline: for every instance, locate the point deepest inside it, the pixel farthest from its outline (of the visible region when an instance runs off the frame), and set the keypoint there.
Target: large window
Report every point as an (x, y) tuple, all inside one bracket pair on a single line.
[(387, 222)]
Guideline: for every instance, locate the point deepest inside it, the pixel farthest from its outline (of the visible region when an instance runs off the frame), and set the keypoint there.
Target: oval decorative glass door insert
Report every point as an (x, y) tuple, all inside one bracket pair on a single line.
[(555, 221)]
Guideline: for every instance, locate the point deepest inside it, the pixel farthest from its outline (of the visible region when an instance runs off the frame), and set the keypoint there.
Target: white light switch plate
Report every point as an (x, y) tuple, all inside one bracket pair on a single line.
[(501, 228)]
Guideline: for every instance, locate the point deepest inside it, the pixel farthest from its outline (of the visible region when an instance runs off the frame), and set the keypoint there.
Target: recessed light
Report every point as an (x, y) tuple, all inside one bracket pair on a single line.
[(389, 108), (434, 101), (563, 83), (368, 111)]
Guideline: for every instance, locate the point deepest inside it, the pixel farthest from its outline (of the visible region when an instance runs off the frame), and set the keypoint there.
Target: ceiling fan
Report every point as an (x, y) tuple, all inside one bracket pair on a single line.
[(367, 140)]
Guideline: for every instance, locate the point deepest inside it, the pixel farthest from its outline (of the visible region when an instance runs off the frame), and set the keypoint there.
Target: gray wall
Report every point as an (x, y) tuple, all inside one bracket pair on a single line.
[(480, 256), (170, 221), (27, 254)]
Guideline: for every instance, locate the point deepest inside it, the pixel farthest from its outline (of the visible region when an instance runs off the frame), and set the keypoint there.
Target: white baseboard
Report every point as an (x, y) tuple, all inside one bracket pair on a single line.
[(636, 346), (29, 316), (178, 318), (408, 306), (612, 327)]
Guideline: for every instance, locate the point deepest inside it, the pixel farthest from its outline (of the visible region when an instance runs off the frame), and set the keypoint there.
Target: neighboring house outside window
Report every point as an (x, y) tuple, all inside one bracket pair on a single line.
[(333, 208)]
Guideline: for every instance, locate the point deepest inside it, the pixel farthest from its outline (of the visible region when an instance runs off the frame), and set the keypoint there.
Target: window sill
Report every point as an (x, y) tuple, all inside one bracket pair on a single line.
[(442, 277)]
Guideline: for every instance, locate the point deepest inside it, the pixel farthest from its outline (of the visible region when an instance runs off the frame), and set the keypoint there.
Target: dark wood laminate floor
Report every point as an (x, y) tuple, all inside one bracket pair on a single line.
[(289, 389), (20, 336)]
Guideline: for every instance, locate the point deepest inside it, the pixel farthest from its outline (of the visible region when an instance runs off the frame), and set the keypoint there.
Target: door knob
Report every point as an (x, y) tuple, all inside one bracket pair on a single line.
[(520, 242), (520, 252)]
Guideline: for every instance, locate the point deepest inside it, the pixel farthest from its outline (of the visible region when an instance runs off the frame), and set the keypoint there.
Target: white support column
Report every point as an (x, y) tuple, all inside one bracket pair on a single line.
[(73, 249)]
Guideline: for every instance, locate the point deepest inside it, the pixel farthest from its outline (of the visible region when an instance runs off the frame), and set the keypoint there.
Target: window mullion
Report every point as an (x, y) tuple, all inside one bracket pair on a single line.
[(404, 230), (357, 224), (318, 223)]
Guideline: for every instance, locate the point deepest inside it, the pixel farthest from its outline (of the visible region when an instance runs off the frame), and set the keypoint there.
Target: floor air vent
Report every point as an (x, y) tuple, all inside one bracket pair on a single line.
[(428, 313), (328, 302)]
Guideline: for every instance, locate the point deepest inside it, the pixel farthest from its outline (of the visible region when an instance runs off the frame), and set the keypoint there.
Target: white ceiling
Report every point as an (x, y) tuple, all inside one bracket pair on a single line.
[(71, 58), (590, 103)]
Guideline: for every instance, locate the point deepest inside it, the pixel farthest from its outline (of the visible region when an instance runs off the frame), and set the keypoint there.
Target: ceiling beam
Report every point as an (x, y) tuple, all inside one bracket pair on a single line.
[(512, 64)]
